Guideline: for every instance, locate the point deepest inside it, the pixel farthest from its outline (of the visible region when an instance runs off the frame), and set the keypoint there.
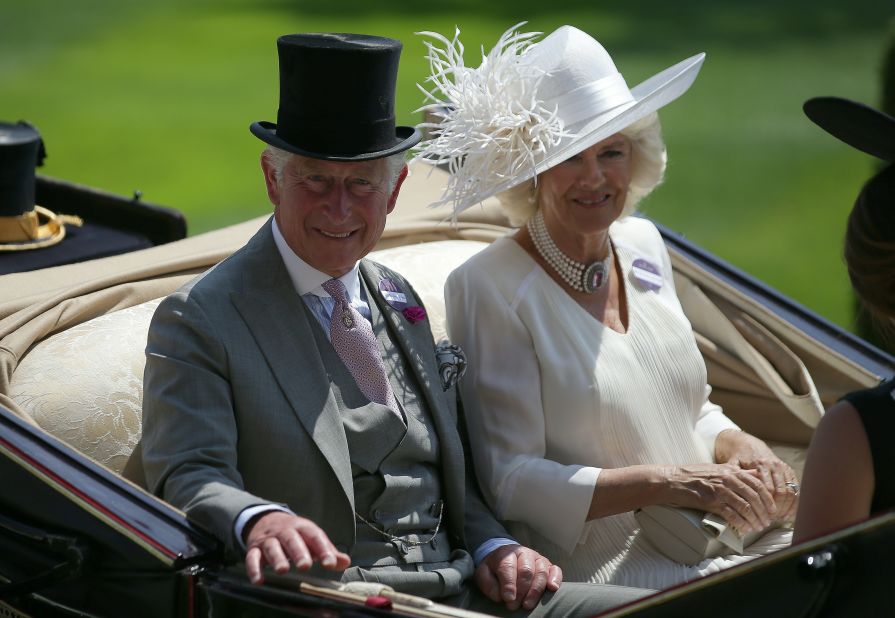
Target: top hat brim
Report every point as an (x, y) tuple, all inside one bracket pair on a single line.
[(856, 124), (35, 229), (405, 139)]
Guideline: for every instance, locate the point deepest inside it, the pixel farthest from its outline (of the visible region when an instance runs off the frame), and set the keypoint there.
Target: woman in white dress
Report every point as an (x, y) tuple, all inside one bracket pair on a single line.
[(586, 396)]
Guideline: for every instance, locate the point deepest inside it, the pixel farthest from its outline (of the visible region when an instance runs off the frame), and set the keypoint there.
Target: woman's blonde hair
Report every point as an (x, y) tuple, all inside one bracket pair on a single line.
[(648, 159)]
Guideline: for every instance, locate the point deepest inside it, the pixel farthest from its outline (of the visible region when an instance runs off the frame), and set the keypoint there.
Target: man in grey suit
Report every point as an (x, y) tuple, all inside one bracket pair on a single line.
[(292, 402)]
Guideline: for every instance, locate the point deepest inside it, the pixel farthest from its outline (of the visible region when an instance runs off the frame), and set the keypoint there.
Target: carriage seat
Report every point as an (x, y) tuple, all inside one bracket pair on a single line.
[(84, 385)]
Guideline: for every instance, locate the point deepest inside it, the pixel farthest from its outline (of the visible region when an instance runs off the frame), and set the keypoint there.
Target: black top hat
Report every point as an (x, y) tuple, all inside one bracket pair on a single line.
[(337, 98), (23, 224), (20, 152), (856, 124)]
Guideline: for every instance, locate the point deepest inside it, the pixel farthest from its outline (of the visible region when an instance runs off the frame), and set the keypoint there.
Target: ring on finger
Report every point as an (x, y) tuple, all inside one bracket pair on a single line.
[(793, 487)]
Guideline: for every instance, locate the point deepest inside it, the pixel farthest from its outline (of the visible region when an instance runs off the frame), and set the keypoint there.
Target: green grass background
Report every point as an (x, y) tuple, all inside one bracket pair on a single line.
[(157, 96)]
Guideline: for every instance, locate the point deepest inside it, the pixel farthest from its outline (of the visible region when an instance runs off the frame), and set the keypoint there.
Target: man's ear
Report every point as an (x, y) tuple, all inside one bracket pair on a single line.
[(270, 180), (394, 197)]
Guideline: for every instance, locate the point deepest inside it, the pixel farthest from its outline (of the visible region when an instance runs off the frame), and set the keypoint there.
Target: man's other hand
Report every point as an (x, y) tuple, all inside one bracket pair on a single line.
[(279, 538), (517, 576)]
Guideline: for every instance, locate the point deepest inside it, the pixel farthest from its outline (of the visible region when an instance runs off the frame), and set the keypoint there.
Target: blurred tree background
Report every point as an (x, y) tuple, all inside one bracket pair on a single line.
[(157, 96)]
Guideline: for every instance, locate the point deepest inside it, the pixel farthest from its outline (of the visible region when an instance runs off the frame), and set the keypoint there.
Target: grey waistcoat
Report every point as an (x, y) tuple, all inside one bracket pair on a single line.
[(397, 486)]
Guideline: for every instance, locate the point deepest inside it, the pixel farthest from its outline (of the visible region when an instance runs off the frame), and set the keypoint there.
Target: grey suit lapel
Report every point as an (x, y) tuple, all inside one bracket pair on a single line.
[(277, 318), (415, 341)]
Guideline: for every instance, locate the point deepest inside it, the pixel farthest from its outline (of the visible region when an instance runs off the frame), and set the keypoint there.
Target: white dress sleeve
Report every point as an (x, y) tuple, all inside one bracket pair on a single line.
[(502, 400), (712, 421)]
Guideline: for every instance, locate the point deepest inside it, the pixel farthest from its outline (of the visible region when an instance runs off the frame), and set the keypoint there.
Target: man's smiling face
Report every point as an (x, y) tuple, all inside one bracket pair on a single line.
[(331, 213)]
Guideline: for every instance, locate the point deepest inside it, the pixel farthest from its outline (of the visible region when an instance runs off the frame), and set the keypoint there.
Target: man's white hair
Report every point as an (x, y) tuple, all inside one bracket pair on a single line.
[(279, 158), (648, 160)]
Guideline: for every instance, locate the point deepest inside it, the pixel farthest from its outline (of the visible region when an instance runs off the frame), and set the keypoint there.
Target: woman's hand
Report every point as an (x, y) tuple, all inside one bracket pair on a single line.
[(748, 452), (736, 494)]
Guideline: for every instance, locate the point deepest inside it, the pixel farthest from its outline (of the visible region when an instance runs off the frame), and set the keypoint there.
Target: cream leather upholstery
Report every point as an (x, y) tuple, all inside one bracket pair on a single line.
[(84, 385)]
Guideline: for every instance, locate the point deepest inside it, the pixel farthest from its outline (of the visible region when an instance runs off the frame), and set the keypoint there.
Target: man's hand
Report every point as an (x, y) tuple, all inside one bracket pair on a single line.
[(278, 538), (517, 576)]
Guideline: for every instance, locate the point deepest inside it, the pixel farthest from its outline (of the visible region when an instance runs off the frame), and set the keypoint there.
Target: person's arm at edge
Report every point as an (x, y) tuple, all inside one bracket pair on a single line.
[(838, 481)]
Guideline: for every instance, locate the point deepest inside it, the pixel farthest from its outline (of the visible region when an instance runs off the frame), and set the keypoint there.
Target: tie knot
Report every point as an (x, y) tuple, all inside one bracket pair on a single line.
[(336, 289)]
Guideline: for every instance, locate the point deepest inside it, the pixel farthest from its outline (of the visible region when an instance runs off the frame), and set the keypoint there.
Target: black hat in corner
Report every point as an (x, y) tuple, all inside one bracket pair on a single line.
[(23, 224), (337, 98), (20, 152), (856, 124)]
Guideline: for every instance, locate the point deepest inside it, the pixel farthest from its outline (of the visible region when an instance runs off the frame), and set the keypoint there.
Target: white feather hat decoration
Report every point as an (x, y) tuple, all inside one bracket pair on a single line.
[(529, 106)]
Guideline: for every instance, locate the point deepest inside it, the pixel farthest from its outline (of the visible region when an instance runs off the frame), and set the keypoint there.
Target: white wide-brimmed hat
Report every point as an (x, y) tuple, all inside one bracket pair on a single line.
[(529, 106)]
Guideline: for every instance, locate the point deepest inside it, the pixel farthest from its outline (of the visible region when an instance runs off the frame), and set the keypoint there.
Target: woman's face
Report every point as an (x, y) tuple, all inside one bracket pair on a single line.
[(584, 194)]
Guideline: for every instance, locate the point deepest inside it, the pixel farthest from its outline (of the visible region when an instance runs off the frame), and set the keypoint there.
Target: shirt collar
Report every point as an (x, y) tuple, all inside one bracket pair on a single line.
[(305, 278)]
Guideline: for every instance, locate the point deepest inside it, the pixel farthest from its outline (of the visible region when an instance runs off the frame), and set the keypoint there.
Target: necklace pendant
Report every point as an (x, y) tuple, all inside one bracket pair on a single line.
[(594, 277), (347, 320), (581, 277)]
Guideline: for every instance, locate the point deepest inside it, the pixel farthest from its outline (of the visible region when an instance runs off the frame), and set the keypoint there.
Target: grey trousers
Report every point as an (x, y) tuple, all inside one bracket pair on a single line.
[(452, 583), (573, 599)]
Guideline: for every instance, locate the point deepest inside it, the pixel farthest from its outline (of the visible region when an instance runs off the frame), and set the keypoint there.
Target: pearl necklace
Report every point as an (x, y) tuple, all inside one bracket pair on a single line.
[(587, 278)]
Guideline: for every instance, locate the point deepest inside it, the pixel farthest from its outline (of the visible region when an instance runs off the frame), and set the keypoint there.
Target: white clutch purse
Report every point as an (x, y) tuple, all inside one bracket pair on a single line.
[(689, 536)]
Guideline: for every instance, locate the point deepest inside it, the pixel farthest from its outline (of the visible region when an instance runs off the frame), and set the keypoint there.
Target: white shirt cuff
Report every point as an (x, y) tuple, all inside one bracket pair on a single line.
[(248, 513), (710, 426), (489, 546)]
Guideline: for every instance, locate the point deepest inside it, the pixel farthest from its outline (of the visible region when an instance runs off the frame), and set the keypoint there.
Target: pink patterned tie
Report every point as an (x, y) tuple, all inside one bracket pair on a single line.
[(354, 342)]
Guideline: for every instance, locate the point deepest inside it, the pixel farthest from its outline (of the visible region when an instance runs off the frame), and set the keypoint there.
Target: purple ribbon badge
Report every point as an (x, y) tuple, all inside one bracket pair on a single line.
[(647, 274), (393, 295), (397, 299)]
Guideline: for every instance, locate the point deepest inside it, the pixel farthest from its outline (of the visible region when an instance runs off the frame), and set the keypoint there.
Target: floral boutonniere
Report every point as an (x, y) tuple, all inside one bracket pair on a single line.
[(451, 361), (414, 314)]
